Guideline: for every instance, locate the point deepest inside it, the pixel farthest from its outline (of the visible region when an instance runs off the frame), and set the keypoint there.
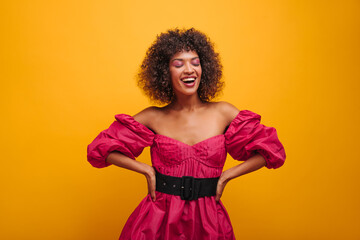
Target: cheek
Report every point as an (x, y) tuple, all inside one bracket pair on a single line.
[(199, 71), (173, 77), (174, 74)]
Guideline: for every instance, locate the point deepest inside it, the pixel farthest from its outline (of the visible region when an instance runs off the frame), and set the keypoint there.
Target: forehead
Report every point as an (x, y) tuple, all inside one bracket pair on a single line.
[(185, 55)]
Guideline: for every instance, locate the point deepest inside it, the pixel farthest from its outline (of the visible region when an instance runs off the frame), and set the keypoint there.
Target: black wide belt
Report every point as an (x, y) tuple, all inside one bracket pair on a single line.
[(187, 187)]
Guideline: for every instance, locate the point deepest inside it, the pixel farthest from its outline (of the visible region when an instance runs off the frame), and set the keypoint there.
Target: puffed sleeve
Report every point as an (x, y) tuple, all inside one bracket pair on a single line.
[(124, 135), (245, 137)]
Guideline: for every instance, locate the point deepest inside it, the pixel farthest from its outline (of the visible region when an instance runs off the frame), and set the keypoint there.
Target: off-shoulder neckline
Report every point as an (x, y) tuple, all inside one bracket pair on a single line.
[(145, 128), (186, 144)]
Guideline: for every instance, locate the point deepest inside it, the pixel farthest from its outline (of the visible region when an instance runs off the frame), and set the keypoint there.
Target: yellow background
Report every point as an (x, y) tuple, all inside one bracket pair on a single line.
[(67, 67)]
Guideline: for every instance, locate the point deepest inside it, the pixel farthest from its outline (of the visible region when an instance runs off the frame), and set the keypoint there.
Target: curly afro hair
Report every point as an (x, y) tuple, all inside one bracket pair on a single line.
[(154, 74)]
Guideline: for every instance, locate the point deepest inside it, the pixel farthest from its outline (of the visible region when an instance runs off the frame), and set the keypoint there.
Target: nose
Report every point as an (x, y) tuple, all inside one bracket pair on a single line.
[(188, 68)]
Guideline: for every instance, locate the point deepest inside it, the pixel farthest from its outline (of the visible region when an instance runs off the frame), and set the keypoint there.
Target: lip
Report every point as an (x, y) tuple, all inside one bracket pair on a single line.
[(188, 77)]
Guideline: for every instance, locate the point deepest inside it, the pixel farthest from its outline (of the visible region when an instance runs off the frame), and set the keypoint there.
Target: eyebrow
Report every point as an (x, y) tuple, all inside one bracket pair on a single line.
[(181, 59)]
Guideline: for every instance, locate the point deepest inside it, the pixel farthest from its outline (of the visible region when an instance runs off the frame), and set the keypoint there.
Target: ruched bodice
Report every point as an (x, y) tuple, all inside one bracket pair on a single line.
[(202, 160)]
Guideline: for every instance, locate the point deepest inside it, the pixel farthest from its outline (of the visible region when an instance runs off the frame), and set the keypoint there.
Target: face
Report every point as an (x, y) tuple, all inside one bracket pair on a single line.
[(185, 72)]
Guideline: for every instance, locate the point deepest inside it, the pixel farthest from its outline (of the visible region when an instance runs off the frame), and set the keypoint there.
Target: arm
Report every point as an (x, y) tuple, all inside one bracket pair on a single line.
[(123, 161), (246, 137), (252, 164)]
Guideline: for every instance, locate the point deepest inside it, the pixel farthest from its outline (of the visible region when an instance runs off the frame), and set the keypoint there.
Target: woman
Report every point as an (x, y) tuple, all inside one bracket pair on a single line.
[(189, 138)]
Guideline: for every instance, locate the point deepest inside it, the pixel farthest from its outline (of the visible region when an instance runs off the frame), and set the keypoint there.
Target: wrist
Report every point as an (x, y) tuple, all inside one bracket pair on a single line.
[(147, 170), (225, 177)]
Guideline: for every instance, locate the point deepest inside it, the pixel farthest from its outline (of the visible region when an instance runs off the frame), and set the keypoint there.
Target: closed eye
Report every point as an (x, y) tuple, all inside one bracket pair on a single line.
[(177, 63), (195, 61)]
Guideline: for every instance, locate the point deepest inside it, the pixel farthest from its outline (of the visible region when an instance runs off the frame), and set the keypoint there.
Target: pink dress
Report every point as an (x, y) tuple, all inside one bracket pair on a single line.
[(169, 217)]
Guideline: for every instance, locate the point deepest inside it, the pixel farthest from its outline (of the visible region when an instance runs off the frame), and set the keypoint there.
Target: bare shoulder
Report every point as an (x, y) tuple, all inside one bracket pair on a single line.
[(227, 110), (147, 115)]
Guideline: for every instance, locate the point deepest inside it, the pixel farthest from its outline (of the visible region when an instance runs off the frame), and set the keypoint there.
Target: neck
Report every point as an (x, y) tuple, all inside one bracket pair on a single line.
[(187, 103)]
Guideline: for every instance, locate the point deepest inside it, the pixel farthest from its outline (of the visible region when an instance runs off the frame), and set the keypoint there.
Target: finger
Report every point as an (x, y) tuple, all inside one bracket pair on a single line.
[(219, 191), (152, 187), (152, 191), (153, 196), (218, 195)]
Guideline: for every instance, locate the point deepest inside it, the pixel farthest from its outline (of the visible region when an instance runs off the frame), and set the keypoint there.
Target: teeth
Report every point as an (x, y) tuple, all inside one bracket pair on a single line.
[(188, 79)]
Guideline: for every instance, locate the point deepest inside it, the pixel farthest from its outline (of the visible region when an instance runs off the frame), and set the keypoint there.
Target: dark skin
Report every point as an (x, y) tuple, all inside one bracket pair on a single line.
[(188, 120)]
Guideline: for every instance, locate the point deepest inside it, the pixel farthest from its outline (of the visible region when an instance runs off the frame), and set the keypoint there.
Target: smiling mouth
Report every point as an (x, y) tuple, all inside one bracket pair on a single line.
[(188, 80)]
